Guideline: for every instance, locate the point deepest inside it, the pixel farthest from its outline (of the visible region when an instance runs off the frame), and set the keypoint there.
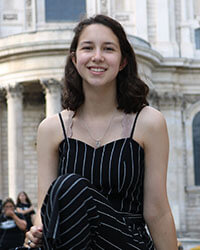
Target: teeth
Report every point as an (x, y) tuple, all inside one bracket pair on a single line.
[(97, 69)]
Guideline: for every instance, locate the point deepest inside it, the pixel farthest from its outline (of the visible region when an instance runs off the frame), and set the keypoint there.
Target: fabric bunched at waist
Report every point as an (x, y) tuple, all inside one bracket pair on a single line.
[(135, 219)]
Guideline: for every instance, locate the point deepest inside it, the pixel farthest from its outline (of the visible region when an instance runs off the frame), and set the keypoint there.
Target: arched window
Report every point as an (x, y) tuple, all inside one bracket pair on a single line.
[(64, 10), (197, 38), (196, 143)]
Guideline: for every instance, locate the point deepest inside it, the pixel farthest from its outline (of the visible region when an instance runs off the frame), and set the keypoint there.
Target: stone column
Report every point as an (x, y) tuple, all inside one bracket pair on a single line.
[(91, 7), (30, 14), (173, 19), (171, 106), (161, 26), (196, 8), (165, 15), (104, 7), (15, 140), (186, 45), (141, 19), (163, 21), (52, 95), (151, 21)]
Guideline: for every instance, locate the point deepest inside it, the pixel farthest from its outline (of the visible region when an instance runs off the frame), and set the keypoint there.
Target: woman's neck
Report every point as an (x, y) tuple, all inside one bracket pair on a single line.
[(99, 101), (24, 202)]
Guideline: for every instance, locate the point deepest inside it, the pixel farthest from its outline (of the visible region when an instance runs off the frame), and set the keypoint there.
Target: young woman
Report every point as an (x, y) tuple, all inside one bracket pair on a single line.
[(103, 160), (25, 207)]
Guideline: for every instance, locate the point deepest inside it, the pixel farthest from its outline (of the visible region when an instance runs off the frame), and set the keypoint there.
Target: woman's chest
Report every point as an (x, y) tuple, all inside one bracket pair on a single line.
[(116, 167)]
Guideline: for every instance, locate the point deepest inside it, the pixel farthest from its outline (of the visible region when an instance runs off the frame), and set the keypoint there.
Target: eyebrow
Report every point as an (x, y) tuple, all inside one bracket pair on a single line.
[(106, 43)]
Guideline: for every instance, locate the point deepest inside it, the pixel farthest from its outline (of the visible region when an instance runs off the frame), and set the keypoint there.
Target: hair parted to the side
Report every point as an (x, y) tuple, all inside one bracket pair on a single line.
[(131, 90)]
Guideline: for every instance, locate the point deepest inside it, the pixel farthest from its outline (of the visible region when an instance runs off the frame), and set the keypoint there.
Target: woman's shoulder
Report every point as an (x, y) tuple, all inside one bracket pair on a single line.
[(152, 119), (51, 127), (149, 111), (53, 122), (151, 124)]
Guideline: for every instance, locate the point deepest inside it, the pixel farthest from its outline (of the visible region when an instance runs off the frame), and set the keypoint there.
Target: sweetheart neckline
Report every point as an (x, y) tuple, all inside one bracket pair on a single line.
[(106, 144)]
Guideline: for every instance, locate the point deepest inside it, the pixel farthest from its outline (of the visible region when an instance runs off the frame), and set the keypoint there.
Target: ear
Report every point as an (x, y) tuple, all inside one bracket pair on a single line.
[(123, 64), (73, 57)]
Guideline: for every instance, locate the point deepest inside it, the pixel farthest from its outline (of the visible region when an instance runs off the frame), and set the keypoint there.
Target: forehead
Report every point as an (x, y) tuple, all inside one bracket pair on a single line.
[(98, 33), (8, 204)]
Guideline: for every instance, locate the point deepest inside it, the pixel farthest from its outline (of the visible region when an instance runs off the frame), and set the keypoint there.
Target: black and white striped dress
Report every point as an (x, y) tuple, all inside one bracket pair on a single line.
[(97, 200)]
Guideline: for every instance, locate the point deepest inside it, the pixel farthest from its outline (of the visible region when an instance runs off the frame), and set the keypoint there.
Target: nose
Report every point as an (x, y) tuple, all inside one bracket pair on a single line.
[(97, 56)]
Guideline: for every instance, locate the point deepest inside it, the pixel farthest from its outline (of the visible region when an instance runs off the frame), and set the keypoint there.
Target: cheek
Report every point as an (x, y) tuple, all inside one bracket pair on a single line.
[(80, 63), (82, 58), (115, 62)]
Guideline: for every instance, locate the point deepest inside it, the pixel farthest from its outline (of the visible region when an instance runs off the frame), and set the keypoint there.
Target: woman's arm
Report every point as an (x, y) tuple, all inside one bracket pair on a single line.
[(157, 212), (21, 223), (48, 137), (21, 211), (47, 154)]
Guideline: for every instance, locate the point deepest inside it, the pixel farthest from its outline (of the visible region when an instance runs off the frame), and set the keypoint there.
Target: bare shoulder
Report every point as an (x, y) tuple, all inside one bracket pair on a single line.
[(152, 119), (53, 121), (153, 127), (51, 127), (49, 124)]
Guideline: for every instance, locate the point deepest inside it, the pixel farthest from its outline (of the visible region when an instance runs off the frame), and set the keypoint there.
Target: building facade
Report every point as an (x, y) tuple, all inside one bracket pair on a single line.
[(34, 40)]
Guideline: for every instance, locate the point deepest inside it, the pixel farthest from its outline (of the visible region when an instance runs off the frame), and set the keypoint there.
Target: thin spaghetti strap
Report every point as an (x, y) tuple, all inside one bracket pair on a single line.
[(63, 126), (133, 128)]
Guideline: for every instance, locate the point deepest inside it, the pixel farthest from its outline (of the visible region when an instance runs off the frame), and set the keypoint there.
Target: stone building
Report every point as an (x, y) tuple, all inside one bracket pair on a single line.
[(34, 40)]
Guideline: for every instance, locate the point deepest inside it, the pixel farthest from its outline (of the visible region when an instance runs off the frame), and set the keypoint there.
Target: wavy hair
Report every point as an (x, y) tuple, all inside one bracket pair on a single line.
[(131, 90)]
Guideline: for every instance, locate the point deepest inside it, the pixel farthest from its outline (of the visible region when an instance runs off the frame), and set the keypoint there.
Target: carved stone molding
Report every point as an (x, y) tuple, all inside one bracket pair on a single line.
[(10, 17), (193, 189), (191, 99), (169, 99), (51, 85), (104, 7), (165, 99), (14, 91), (122, 17), (52, 88), (151, 10), (191, 105), (153, 97), (29, 14), (28, 3)]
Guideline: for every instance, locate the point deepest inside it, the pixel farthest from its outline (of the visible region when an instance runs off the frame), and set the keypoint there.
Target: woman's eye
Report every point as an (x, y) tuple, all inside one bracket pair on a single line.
[(109, 49), (87, 48)]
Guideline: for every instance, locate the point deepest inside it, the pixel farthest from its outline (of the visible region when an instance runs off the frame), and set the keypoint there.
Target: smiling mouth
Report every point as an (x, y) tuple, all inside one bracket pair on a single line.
[(94, 69)]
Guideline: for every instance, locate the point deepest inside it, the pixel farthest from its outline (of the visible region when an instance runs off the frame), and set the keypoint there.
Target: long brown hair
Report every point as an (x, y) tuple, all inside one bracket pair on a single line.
[(131, 90)]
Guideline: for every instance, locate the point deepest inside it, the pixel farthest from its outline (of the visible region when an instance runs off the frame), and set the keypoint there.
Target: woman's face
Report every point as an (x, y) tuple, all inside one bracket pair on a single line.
[(22, 197), (98, 56)]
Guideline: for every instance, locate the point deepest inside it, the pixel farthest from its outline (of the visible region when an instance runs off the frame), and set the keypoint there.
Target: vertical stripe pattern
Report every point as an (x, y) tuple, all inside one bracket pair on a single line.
[(116, 169), (97, 200)]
